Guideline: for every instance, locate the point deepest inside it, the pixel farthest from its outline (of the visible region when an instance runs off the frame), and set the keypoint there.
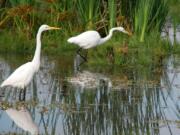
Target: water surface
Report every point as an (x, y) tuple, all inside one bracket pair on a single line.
[(65, 99)]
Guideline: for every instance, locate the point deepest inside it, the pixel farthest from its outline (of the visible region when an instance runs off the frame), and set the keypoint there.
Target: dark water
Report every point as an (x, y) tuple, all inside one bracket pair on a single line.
[(97, 100)]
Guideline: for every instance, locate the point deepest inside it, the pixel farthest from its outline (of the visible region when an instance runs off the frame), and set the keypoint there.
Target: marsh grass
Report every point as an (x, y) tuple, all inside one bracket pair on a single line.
[(112, 5), (120, 50), (149, 15), (26, 45), (20, 21), (131, 51), (86, 13), (89, 11), (174, 12)]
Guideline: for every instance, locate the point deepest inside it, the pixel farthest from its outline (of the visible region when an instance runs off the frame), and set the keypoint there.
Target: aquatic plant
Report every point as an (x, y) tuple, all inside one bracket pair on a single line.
[(149, 15), (24, 17), (112, 12), (13, 3), (88, 11)]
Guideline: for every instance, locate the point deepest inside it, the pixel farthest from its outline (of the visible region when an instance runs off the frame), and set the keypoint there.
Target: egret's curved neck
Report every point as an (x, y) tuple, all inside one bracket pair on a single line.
[(103, 40), (36, 59)]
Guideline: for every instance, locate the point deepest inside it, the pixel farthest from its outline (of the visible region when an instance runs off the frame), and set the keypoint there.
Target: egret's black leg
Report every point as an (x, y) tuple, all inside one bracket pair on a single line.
[(81, 63), (22, 95), (84, 57), (79, 52), (2, 93), (86, 53)]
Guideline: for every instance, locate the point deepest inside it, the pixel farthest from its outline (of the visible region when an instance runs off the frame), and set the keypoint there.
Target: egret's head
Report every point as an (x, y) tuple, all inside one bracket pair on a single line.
[(124, 31), (45, 27)]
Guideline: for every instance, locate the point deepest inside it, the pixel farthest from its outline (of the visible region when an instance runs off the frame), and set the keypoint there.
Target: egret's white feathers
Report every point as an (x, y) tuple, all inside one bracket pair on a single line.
[(86, 39), (20, 77), (91, 38)]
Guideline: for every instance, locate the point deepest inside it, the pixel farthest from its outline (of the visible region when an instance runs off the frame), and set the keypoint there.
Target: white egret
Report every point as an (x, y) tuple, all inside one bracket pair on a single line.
[(92, 38), (23, 119), (23, 75)]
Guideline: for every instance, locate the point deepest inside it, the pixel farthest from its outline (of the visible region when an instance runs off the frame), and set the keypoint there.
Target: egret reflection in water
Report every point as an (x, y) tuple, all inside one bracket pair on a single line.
[(23, 119)]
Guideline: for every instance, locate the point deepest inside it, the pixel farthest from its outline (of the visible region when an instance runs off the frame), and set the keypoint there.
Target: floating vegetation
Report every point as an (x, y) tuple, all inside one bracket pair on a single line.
[(89, 80), (5, 105)]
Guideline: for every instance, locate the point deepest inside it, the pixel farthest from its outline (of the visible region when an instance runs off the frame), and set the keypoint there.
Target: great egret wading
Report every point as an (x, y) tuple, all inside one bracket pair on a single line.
[(23, 75), (90, 39)]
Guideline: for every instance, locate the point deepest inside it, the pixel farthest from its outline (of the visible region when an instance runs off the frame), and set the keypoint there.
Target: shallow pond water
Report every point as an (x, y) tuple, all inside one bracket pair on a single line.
[(67, 99), (171, 32)]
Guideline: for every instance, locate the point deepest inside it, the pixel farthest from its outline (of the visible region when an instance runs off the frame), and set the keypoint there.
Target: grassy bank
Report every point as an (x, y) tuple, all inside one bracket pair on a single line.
[(19, 22), (121, 49)]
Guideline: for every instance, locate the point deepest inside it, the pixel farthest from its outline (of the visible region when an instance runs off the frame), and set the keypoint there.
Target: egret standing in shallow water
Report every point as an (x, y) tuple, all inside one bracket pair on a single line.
[(90, 39), (23, 75)]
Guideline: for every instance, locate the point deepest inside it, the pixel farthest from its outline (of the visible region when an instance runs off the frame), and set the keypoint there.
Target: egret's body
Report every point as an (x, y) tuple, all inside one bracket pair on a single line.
[(86, 40), (90, 39), (23, 75)]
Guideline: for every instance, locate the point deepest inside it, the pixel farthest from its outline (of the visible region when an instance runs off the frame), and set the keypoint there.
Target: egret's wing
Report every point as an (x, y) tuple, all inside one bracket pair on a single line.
[(20, 75)]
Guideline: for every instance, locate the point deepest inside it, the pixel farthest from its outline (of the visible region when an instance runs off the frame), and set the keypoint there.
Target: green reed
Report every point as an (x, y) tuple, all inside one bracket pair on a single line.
[(88, 11), (85, 14), (149, 15), (112, 12)]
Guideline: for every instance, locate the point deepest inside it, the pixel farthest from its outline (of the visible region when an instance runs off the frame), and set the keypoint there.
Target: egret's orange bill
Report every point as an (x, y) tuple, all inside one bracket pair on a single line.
[(55, 28)]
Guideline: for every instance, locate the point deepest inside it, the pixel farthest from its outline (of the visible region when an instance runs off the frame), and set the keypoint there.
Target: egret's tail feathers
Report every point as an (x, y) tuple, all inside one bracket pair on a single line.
[(71, 40)]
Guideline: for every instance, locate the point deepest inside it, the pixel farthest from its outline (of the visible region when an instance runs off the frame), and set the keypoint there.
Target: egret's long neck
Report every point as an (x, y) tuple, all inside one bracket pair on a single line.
[(36, 59), (103, 40)]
